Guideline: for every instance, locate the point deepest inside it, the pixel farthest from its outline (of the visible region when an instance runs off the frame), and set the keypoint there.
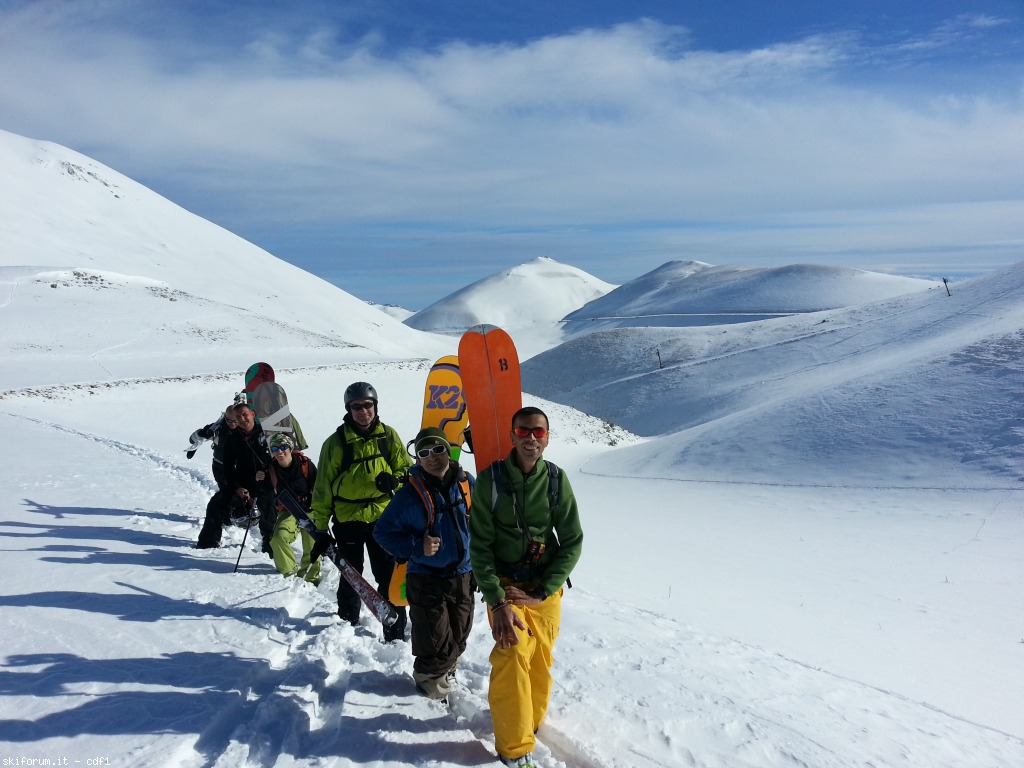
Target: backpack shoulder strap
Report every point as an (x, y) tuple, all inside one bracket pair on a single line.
[(348, 452), (554, 484), (384, 446), (463, 481), (497, 479), (426, 497)]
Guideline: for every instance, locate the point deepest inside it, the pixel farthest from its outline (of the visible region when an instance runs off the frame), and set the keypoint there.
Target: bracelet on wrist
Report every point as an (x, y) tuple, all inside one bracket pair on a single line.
[(503, 603)]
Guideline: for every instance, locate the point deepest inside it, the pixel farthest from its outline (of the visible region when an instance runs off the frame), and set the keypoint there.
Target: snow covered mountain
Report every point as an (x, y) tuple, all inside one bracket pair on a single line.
[(539, 292), (812, 557), (688, 293), (79, 240), (855, 384)]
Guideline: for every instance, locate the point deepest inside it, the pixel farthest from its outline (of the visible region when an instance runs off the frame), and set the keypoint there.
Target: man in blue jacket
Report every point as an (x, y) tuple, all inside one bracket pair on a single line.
[(427, 524)]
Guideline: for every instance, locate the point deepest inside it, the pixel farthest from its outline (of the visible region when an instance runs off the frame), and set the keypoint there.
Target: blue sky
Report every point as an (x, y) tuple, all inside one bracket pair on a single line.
[(405, 149)]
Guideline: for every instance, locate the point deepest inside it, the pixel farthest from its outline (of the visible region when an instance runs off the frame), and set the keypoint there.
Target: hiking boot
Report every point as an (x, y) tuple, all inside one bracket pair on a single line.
[(526, 761)]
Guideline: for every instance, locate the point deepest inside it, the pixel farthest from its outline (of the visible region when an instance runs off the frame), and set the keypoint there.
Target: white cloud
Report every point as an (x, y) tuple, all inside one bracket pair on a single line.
[(620, 125)]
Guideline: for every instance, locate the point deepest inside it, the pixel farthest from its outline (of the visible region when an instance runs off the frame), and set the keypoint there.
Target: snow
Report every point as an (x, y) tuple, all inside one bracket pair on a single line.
[(807, 552), (528, 301), (688, 293)]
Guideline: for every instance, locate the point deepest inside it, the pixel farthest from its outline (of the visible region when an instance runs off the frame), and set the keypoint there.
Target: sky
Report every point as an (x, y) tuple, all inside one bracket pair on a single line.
[(807, 553), (367, 142)]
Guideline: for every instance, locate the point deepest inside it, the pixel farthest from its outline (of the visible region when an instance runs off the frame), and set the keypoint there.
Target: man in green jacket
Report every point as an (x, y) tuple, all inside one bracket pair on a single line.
[(360, 467), (525, 540)]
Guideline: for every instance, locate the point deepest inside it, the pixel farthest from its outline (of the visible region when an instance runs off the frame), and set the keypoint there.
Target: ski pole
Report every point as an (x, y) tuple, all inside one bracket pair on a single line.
[(247, 526)]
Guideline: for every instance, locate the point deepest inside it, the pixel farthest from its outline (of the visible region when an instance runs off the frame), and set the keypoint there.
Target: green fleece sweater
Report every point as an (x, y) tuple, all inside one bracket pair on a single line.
[(498, 541)]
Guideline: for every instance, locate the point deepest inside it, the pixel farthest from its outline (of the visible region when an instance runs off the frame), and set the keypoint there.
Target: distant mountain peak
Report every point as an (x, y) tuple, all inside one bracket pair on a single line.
[(554, 289)]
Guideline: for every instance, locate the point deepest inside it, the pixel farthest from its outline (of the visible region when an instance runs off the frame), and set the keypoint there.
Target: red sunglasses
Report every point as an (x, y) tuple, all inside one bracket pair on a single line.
[(538, 432)]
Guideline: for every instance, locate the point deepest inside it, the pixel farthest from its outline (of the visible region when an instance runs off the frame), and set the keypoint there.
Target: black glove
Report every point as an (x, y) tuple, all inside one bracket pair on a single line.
[(322, 541), (387, 483)]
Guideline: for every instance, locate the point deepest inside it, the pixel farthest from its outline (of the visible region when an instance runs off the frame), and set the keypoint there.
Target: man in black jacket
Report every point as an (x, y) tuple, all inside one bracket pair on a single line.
[(219, 432), (244, 478)]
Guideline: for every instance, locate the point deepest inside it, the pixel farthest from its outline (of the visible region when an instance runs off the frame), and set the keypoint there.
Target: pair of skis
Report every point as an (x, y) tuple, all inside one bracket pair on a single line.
[(382, 610)]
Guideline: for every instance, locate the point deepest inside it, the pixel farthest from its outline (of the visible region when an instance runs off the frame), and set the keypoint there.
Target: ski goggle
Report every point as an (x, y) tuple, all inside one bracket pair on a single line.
[(361, 406), (434, 450), (539, 432), (279, 448)]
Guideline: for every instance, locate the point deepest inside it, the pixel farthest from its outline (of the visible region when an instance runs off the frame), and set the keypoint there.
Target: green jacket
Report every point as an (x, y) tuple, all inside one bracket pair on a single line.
[(498, 543), (352, 495)]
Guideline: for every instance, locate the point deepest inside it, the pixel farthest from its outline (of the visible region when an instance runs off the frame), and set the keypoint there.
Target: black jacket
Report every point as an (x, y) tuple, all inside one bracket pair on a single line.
[(244, 456)]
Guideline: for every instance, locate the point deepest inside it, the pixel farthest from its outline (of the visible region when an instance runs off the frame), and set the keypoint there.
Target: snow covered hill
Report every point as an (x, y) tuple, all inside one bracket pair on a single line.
[(689, 293), (889, 392), (540, 292), (75, 234)]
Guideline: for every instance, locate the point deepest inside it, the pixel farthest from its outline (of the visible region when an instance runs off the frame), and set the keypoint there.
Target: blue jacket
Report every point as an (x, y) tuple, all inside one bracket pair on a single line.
[(403, 523)]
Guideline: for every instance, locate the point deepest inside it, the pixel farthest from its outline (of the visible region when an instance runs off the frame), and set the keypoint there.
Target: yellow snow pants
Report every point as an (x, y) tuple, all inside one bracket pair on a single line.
[(520, 687)]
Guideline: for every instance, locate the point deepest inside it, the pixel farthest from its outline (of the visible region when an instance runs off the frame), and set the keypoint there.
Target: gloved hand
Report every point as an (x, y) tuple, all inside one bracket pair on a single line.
[(387, 483), (196, 439), (322, 541)]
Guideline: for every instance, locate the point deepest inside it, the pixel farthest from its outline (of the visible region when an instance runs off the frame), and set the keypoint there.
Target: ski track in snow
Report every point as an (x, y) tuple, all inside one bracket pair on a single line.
[(311, 689), (310, 685)]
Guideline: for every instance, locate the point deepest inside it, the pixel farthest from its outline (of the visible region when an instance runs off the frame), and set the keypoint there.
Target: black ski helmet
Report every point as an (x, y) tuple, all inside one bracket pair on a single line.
[(361, 390)]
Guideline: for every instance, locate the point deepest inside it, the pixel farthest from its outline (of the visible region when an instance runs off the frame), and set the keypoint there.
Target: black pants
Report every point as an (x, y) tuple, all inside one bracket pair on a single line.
[(441, 611), (218, 514), (352, 537)]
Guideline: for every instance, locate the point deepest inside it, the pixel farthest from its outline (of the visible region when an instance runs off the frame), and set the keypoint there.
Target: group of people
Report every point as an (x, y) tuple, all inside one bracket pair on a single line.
[(513, 533)]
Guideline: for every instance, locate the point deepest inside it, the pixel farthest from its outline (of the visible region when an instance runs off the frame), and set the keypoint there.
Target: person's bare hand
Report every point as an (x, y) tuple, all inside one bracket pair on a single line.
[(504, 623), (517, 596), (431, 544)]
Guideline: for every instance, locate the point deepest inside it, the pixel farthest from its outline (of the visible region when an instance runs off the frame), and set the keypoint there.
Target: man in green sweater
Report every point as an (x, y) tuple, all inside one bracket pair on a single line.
[(525, 540)]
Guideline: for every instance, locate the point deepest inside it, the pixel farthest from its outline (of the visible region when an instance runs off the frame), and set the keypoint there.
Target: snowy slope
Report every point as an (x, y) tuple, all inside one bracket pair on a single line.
[(542, 291), (896, 389), (688, 293), (122, 642), (741, 623), (74, 234)]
